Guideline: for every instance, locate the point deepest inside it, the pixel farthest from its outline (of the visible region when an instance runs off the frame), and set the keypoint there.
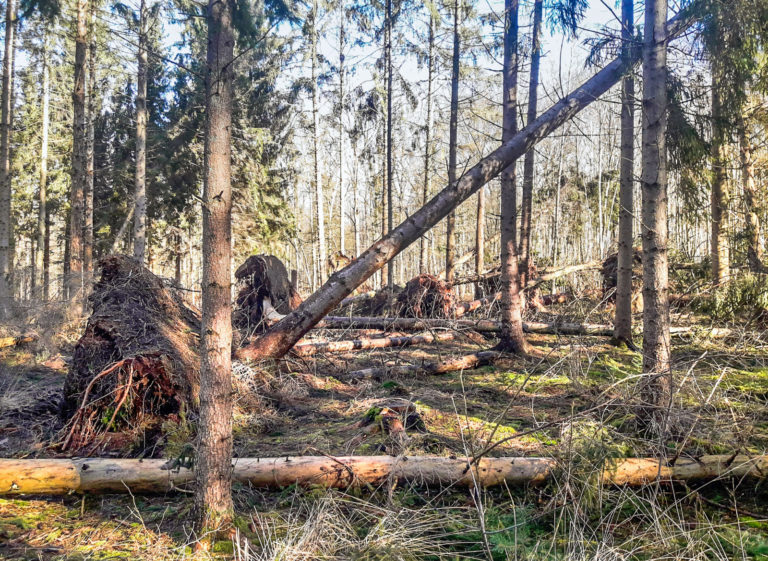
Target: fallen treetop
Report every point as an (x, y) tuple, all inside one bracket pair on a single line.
[(282, 336), (107, 475)]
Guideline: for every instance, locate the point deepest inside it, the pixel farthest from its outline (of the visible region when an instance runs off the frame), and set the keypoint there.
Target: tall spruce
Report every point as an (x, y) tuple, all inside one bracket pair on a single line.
[(450, 230), (6, 117)]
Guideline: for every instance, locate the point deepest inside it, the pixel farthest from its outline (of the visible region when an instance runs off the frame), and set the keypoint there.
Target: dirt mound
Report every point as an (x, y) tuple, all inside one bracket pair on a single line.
[(262, 278), (136, 364), (425, 296)]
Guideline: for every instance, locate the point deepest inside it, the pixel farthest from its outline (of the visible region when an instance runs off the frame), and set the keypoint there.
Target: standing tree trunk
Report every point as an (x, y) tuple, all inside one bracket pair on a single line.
[(213, 497), (512, 337), (322, 257), (79, 149), (6, 227), (720, 195), (427, 139), (341, 127), (283, 335), (450, 230), (623, 317), (754, 253), (530, 157), (480, 240), (657, 387), (43, 218), (89, 165), (388, 164), (140, 180)]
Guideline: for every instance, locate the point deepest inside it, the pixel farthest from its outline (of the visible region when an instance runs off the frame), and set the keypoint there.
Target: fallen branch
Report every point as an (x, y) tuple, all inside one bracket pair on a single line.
[(6, 342), (107, 475)]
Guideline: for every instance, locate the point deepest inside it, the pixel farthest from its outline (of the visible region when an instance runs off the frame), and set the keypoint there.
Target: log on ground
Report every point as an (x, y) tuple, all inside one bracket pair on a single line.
[(102, 475)]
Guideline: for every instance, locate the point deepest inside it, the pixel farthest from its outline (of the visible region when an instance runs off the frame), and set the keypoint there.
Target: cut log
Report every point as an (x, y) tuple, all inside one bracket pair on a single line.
[(281, 337), (467, 307), (6, 342), (309, 349), (102, 475)]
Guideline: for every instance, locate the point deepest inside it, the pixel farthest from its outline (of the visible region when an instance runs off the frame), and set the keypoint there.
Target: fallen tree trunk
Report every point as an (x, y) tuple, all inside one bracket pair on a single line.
[(309, 349), (357, 298), (467, 307), (547, 276), (282, 336), (465, 362), (17, 341), (103, 475)]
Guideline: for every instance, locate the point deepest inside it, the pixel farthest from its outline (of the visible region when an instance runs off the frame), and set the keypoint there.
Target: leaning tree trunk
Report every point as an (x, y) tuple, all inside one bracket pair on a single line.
[(213, 498), (140, 178), (43, 219), (754, 253), (657, 387), (512, 337), (530, 156), (450, 230), (6, 226), (281, 337), (720, 195), (79, 149), (427, 140), (623, 316)]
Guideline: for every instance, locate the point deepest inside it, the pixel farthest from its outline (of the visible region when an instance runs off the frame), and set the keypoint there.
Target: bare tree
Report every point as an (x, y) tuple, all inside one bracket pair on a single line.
[(656, 341), (322, 257), (720, 191), (428, 135), (213, 498), (43, 214), (754, 254), (89, 156), (388, 163), (623, 316)]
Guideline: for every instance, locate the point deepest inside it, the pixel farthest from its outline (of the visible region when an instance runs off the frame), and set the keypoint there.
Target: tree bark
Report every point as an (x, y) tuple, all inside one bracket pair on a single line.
[(530, 156), (657, 385), (322, 256), (43, 218), (213, 498), (283, 335), (79, 157), (720, 194), (450, 230), (512, 338), (342, 163), (388, 164), (140, 179), (480, 240), (107, 475), (754, 251), (623, 315), (6, 112), (89, 164), (427, 140)]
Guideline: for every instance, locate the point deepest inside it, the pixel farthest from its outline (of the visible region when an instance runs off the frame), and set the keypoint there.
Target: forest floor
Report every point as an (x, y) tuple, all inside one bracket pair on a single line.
[(574, 401)]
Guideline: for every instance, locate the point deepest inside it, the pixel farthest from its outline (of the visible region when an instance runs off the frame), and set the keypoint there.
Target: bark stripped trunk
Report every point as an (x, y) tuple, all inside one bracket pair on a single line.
[(530, 157), (213, 498), (322, 257), (623, 316), (140, 180), (427, 140), (281, 337), (43, 218), (450, 230), (6, 227), (754, 252), (720, 194), (89, 154), (657, 386), (512, 337), (79, 149)]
